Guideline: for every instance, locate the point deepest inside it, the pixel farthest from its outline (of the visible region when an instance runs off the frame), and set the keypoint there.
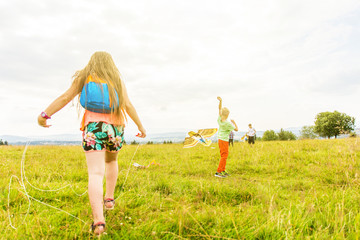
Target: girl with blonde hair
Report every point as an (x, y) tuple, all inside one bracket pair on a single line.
[(103, 132)]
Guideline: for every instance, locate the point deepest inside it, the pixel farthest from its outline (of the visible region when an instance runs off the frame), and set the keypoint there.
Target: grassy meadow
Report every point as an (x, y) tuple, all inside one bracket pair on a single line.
[(277, 190)]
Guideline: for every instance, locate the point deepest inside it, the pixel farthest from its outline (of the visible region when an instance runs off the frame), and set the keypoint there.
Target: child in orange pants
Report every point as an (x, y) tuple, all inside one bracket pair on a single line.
[(225, 127)]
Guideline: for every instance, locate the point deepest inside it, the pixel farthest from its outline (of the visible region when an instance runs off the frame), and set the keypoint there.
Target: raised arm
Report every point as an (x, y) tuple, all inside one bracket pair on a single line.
[(220, 105), (236, 127), (59, 103), (131, 111)]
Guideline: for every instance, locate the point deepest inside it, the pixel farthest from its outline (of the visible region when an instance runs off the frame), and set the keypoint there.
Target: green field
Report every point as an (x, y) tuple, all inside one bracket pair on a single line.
[(277, 190)]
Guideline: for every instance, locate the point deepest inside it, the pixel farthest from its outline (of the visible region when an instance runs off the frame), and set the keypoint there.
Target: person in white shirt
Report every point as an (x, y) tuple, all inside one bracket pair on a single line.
[(251, 134)]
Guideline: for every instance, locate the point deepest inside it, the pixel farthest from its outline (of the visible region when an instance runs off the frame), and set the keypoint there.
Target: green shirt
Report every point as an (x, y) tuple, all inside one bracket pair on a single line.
[(224, 129)]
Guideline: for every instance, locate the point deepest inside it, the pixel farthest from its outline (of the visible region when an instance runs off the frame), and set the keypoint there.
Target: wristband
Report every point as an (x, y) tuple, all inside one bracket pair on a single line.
[(44, 115)]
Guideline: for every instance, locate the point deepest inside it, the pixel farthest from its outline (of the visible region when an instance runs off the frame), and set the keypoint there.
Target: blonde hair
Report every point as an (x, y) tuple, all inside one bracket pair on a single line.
[(102, 67), (225, 112)]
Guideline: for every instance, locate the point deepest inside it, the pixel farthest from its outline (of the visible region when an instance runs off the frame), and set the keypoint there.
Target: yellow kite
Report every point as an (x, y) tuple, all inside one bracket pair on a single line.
[(199, 137)]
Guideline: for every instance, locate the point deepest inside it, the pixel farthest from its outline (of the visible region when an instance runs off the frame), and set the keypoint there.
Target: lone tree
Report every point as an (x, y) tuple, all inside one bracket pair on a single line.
[(328, 124), (307, 132)]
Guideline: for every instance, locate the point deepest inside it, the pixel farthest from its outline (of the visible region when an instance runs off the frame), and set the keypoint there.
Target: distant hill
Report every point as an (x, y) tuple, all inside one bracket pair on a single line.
[(12, 139), (75, 139)]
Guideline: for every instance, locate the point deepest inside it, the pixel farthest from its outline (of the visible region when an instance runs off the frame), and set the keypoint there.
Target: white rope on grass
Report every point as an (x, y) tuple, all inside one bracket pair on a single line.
[(8, 205), (127, 174), (29, 197), (23, 174)]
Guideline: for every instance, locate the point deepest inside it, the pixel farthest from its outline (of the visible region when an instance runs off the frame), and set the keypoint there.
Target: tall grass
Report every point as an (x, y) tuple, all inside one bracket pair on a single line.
[(277, 190)]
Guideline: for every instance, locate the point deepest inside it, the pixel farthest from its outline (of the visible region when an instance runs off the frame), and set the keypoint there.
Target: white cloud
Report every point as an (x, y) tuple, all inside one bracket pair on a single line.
[(276, 63)]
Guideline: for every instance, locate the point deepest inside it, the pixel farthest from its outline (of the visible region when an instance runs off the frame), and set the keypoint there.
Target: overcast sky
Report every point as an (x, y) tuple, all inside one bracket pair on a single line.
[(276, 64)]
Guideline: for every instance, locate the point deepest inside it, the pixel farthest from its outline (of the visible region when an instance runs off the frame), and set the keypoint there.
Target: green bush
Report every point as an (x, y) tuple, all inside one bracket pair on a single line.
[(286, 135), (308, 132), (270, 135), (353, 134)]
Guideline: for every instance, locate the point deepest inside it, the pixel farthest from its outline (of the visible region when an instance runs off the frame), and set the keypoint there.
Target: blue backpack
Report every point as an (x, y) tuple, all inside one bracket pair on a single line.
[(95, 97)]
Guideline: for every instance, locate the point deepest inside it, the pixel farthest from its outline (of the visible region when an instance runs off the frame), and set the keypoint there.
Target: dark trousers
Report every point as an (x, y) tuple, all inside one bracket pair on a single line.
[(231, 141), (251, 140)]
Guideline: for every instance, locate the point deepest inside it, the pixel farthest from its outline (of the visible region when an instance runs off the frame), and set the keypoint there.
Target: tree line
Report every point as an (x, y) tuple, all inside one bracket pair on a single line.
[(327, 125), (271, 135), (3, 142)]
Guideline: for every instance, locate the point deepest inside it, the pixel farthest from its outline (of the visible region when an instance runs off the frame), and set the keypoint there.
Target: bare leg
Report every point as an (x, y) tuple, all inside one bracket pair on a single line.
[(111, 175), (96, 171)]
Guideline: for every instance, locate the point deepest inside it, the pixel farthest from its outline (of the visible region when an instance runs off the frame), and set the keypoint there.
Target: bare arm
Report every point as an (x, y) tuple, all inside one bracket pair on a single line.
[(58, 104), (131, 111), (220, 105), (236, 127)]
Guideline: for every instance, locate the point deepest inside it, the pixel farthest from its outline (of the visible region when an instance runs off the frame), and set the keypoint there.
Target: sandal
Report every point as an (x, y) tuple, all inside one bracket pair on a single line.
[(109, 200), (98, 224)]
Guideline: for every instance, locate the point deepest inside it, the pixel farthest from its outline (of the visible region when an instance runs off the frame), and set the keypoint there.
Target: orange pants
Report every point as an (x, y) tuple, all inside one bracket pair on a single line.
[(224, 153)]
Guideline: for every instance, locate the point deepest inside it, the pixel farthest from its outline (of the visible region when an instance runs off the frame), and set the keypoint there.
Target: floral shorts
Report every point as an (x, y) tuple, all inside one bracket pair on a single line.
[(100, 136)]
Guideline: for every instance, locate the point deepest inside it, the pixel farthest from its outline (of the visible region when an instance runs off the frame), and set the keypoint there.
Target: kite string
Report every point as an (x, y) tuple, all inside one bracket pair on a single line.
[(8, 204), (127, 174), (29, 197), (23, 175)]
